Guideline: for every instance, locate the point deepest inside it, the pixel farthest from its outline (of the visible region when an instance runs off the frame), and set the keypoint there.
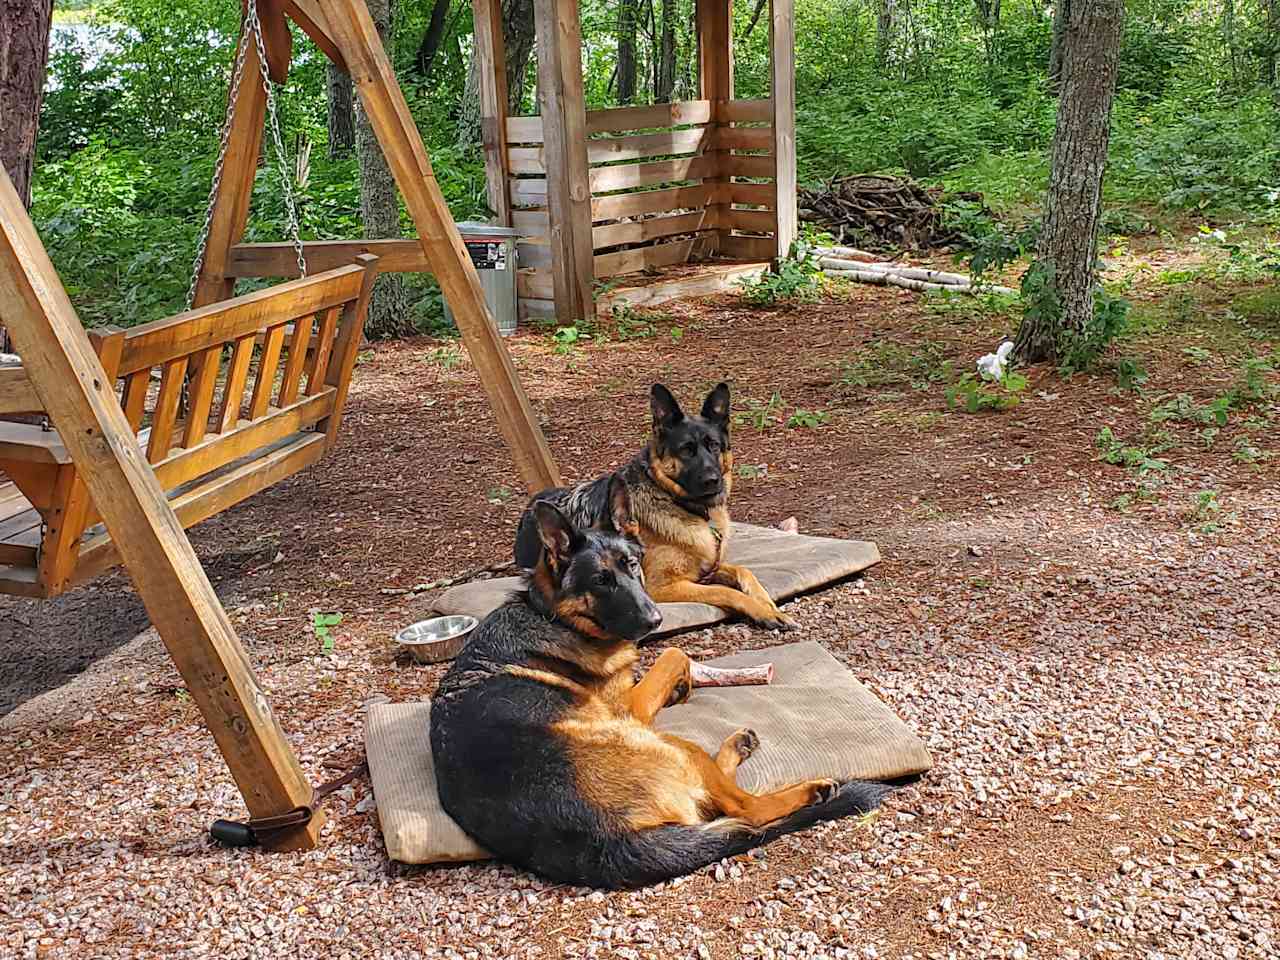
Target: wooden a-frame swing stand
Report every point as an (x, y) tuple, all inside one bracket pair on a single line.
[(64, 376)]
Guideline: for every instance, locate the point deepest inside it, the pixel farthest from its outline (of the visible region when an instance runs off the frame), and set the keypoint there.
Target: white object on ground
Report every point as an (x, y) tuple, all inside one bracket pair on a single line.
[(993, 364)]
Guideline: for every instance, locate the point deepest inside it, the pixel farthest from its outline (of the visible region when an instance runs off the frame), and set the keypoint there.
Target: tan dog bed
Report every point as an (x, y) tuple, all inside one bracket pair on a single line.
[(787, 564), (814, 720)]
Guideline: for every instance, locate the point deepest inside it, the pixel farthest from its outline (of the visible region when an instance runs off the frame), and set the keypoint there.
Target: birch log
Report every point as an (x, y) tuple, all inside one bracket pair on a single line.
[(705, 676)]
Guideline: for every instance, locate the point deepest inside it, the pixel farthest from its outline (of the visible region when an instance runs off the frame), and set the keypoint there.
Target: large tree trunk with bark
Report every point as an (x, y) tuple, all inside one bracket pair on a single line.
[(627, 11), (341, 112), (1067, 255), (24, 55), (518, 37), (380, 206)]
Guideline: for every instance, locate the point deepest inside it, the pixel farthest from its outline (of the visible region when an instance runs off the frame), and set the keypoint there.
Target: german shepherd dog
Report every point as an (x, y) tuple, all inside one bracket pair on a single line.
[(543, 741), (680, 485)]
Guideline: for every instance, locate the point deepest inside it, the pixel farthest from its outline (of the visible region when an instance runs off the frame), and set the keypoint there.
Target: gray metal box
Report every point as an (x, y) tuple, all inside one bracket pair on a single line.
[(493, 252)]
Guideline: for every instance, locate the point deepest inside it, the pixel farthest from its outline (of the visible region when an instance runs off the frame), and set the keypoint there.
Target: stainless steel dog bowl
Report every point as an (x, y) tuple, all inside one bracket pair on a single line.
[(437, 639)]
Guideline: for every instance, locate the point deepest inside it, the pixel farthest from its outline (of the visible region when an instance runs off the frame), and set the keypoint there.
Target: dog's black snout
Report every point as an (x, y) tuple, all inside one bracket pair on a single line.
[(653, 618)]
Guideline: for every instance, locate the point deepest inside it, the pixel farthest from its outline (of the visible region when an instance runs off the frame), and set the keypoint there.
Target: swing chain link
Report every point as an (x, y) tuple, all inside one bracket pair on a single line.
[(252, 30)]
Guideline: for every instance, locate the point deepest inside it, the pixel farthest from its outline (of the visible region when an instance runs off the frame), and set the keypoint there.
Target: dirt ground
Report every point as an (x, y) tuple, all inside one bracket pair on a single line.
[(1088, 651)]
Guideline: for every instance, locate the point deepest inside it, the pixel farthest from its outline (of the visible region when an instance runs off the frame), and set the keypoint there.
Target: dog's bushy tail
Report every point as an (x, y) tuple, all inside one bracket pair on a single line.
[(651, 856)]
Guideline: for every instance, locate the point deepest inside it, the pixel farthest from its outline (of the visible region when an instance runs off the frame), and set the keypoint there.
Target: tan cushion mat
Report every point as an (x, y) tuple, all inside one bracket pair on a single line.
[(787, 564), (814, 720)]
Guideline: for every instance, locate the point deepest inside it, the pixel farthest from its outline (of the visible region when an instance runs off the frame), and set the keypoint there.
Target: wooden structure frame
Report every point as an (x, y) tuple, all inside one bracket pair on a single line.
[(64, 376), (607, 193)]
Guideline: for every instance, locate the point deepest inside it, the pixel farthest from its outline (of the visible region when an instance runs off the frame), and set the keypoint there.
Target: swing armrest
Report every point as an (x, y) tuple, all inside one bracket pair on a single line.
[(29, 443)]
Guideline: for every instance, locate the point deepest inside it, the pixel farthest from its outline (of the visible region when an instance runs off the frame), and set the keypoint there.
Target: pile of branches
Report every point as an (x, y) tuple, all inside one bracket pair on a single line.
[(881, 212)]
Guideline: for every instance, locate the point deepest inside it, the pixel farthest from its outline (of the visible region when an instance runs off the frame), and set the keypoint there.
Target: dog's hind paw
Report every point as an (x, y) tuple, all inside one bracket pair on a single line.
[(746, 742), (824, 791)]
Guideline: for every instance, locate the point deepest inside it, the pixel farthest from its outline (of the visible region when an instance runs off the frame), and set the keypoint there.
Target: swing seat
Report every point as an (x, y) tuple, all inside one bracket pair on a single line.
[(247, 391)]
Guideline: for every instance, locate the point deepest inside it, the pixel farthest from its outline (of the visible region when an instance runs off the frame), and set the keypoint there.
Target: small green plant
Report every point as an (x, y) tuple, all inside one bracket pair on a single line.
[(976, 393), (1141, 460), (322, 625), (499, 494), (1207, 510), (1208, 435), (885, 363), (760, 415), (1077, 349), (677, 334), (1130, 374), (632, 325), (796, 278), (1253, 385), (446, 358), (812, 419), (1246, 451), (1181, 408), (752, 471), (567, 340), (1197, 355)]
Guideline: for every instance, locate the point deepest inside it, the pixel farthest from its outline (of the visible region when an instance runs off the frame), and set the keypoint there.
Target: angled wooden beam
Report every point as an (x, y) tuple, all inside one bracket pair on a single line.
[(353, 31), (80, 399), (491, 60), (564, 129), (313, 18), (782, 33), (231, 204)]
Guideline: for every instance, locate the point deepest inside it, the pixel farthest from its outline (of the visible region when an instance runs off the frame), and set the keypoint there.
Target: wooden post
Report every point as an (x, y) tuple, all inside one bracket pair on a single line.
[(491, 62), (782, 43), (715, 73), (564, 131), (352, 30), (231, 205), (80, 399)]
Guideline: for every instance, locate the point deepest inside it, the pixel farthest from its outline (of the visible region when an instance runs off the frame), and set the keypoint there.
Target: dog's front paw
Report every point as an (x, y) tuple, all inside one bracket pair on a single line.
[(780, 622)]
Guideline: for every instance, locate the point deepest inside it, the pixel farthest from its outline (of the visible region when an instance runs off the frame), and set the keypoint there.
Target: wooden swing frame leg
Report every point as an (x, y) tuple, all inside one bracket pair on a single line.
[(74, 389)]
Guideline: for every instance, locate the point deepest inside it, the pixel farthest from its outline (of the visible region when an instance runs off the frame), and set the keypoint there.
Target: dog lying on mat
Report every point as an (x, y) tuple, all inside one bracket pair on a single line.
[(543, 742), (680, 485)]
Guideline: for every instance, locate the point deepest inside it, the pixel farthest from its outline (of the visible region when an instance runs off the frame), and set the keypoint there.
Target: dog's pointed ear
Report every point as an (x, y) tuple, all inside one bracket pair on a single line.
[(558, 537), (666, 411), (716, 407), (620, 512)]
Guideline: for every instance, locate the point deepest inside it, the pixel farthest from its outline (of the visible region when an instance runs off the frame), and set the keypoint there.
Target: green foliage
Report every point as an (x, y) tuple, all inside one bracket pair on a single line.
[(975, 394), (886, 363), (760, 414), (1139, 459), (811, 419), (1130, 374), (322, 625), (1077, 349), (797, 278)]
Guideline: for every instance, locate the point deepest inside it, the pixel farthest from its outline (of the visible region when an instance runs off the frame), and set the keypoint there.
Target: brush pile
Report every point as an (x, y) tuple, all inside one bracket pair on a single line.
[(880, 212)]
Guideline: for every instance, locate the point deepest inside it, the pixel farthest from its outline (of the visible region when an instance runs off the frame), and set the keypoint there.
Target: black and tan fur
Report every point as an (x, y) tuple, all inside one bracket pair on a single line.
[(543, 742), (680, 485)]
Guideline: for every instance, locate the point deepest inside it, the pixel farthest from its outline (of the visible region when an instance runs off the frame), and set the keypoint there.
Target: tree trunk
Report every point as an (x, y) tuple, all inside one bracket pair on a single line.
[(24, 54), (341, 110), (886, 28), (665, 82), (431, 38), (1066, 258), (626, 51), (518, 37), (380, 206), (989, 22), (1061, 13)]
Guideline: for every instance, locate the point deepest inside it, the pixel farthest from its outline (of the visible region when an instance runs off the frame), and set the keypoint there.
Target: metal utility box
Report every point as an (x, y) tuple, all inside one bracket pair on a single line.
[(493, 252)]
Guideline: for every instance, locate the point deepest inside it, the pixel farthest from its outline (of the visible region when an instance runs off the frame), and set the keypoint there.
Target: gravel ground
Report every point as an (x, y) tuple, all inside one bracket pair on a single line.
[(1098, 689), (1103, 721)]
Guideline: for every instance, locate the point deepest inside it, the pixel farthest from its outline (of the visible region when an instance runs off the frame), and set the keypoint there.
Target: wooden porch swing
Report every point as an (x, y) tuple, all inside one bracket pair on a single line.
[(91, 464), (216, 433)]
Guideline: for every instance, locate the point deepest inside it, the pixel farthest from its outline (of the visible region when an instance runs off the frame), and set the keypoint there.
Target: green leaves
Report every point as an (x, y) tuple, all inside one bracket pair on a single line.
[(322, 625)]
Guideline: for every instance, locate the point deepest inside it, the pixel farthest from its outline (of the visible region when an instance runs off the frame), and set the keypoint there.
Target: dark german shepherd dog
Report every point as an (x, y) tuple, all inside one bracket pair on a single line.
[(680, 486), (543, 741)]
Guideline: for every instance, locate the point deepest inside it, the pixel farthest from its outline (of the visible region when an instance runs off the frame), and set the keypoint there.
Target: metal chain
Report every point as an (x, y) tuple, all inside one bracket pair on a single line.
[(252, 30), (286, 177), (214, 187)]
